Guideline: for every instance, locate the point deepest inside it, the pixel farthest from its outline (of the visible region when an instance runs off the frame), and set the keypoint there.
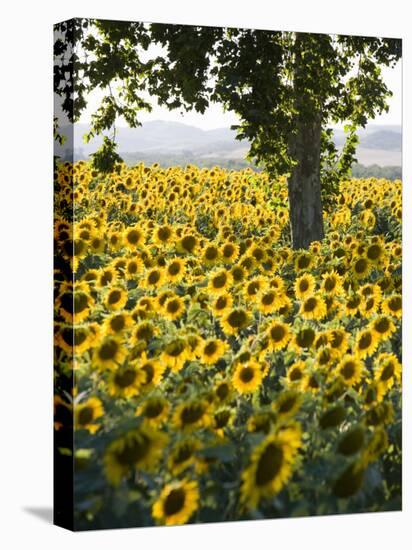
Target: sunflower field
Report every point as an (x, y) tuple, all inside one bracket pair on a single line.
[(208, 371)]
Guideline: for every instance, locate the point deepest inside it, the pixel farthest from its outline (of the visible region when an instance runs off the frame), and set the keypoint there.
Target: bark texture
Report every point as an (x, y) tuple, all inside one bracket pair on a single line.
[(304, 190)]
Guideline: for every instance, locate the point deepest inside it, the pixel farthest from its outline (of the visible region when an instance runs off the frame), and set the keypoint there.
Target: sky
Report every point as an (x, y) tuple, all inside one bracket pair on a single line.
[(215, 117)]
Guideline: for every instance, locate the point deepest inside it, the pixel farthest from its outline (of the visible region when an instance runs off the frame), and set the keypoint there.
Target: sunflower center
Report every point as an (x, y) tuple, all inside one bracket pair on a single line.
[(144, 332), (114, 297), (269, 464), (387, 372), (361, 265), (108, 350), (348, 370), (237, 318), (374, 252), (303, 285), (192, 413), (174, 502), (164, 234), (133, 236), (125, 379), (211, 253), (174, 268), (287, 404), (149, 370), (382, 325), (222, 391), (303, 262), (210, 348), (133, 451), (310, 304), (395, 304), (305, 338), (173, 306), (189, 243), (174, 349), (277, 333), (330, 284), (219, 281), (365, 340), (221, 302), (153, 409), (154, 277), (247, 374), (85, 415), (268, 299), (118, 323)]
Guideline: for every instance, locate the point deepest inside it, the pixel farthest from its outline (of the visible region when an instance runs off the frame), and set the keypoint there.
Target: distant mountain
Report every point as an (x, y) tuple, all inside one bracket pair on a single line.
[(378, 144)]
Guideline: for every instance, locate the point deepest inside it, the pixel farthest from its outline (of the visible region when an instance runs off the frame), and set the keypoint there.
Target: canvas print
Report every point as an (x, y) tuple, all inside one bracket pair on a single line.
[(228, 287)]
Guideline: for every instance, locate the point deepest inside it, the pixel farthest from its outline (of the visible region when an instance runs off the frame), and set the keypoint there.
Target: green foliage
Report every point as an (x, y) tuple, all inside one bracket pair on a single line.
[(105, 158)]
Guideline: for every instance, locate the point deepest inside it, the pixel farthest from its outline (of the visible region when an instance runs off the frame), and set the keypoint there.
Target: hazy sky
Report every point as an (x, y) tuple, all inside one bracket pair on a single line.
[(214, 117)]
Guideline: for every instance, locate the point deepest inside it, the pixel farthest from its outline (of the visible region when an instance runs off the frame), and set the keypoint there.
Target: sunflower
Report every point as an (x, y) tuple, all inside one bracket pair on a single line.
[(383, 326), (387, 370), (152, 369), (126, 381), (270, 466), (174, 308), (192, 414), (303, 339), (175, 270), (350, 369), (109, 354), (134, 237), (117, 323), (86, 414), (155, 410), (183, 455), (304, 286), (188, 244), (140, 448), (177, 502), (288, 403), (278, 334), (338, 340), (393, 306), (254, 288), (133, 267), (144, 331), (366, 343), (247, 377), (153, 278), (77, 340), (304, 261), (212, 350), (332, 283), (313, 307), (175, 354), (296, 374), (361, 268), (222, 304), (116, 299), (210, 255), (222, 418), (375, 253), (75, 306), (219, 281), (163, 235), (270, 301), (229, 252), (234, 321)]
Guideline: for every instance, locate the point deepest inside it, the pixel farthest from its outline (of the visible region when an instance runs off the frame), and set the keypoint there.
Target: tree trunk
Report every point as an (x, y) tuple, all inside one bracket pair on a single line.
[(305, 204)]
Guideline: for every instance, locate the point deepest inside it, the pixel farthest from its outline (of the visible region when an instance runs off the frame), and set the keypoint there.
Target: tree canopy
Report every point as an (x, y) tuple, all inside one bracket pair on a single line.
[(277, 82)]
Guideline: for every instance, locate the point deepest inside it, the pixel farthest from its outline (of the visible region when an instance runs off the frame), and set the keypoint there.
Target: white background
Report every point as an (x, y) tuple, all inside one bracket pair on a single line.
[(26, 105)]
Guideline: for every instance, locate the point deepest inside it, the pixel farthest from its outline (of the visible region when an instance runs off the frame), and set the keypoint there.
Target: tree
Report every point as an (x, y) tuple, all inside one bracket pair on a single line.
[(287, 88)]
